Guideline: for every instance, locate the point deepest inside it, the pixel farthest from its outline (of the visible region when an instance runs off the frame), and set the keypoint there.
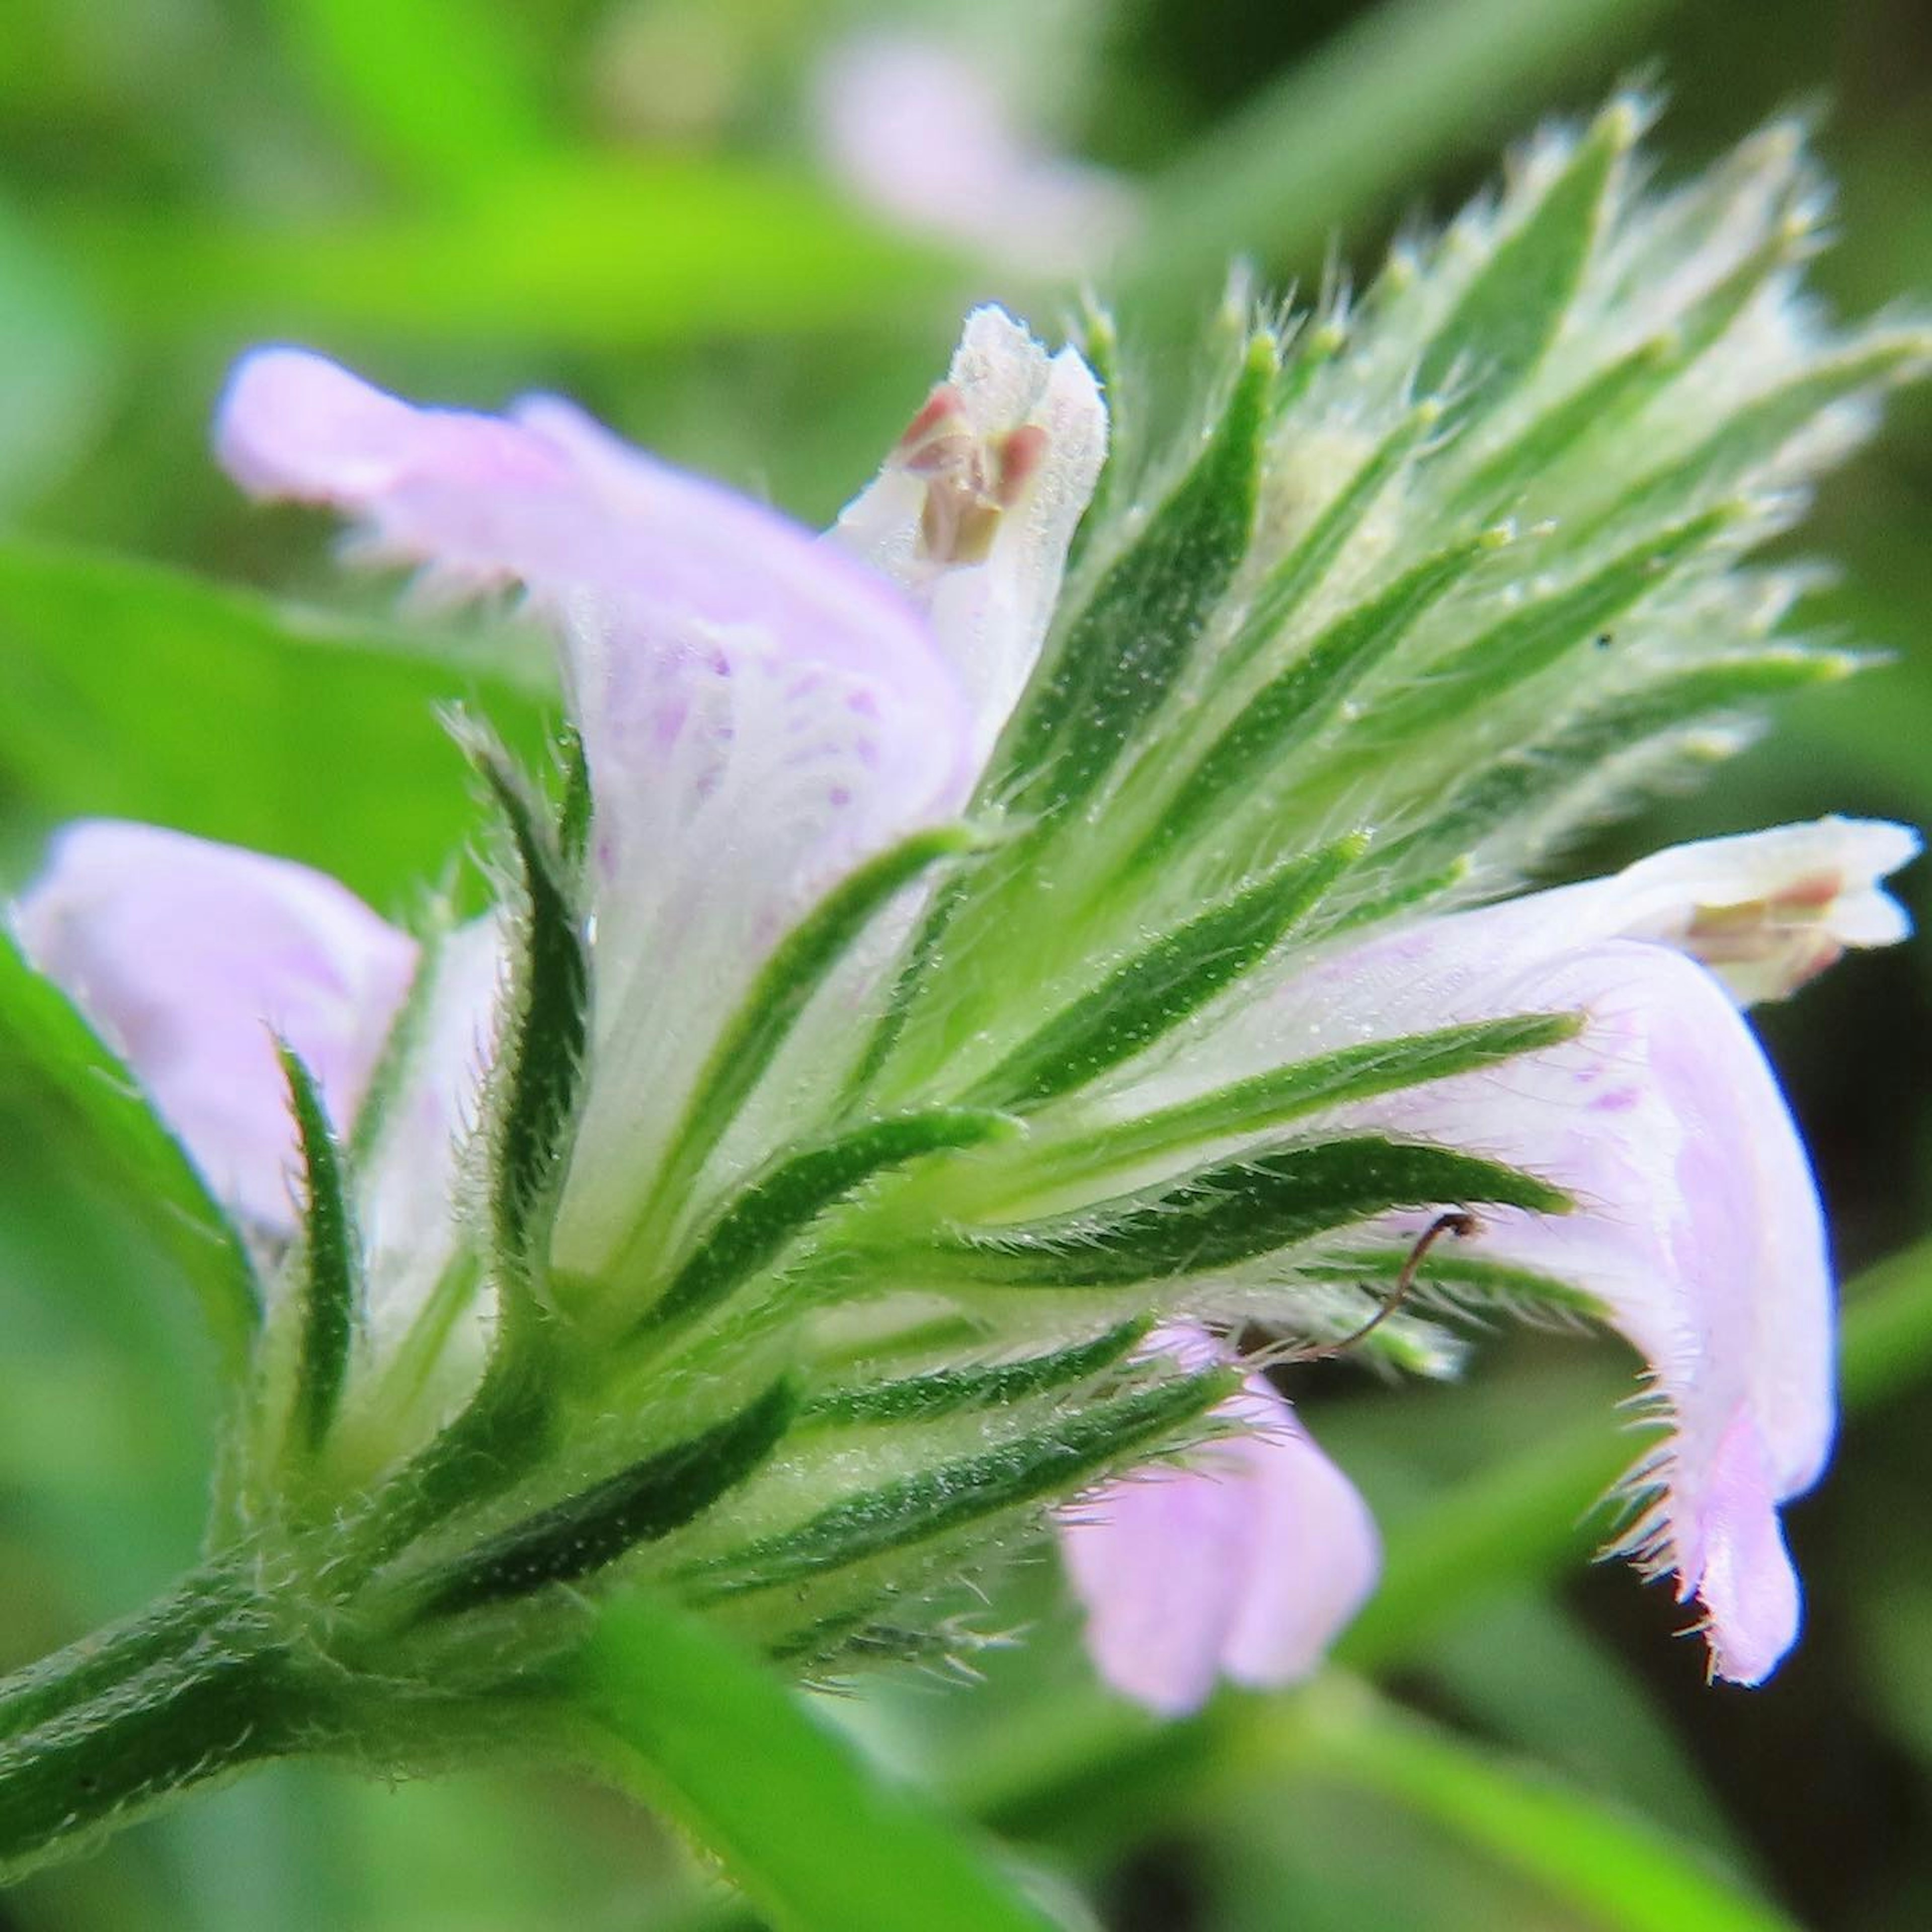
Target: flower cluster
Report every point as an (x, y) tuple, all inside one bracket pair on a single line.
[(973, 968)]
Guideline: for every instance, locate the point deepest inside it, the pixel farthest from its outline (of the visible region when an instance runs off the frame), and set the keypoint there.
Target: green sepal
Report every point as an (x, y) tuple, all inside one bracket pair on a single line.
[(571, 1539), (393, 1065), (1314, 346), (52, 1062), (1127, 647), (948, 1391), (1220, 1216), (534, 1088), (1287, 712), (1282, 591), (1265, 1101), (770, 1213), (1535, 636), (1510, 313), (1158, 988), (1052, 1460), (1758, 430), (502, 1430), (796, 969), (1534, 777), (574, 810), (1612, 395), (1100, 345), (327, 1283)]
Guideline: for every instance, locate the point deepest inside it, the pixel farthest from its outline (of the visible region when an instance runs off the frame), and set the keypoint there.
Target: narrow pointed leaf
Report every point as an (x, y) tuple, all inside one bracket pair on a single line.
[(1157, 989), (1614, 394), (532, 1098), (329, 1277), (946, 1391), (1219, 1217), (1287, 1093), (1127, 648), (1300, 572), (773, 1211), (1285, 713), (1050, 1461), (1532, 776), (576, 1537), (80, 1092), (1758, 431), (1511, 313), (1529, 640), (795, 970)]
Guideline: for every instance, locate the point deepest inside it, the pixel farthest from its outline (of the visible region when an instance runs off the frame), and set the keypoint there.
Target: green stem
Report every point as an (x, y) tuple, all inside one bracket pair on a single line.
[(191, 1690)]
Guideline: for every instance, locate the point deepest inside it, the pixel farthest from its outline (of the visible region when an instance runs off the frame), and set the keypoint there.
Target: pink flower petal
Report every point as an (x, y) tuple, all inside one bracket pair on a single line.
[(1697, 1226), (759, 713), (1245, 1563), (189, 957), (1013, 440), (923, 132)]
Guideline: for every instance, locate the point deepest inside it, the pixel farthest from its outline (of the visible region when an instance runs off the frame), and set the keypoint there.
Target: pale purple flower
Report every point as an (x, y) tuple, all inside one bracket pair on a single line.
[(1243, 1562), (1697, 1230), (191, 959), (761, 711), (922, 130)]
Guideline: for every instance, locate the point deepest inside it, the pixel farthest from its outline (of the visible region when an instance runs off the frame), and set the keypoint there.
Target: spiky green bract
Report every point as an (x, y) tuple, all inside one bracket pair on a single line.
[(795, 972), (1220, 1216), (574, 1538), (1131, 643), (327, 1280), (1156, 989), (1493, 580), (535, 1087), (775, 1209), (1056, 1460)]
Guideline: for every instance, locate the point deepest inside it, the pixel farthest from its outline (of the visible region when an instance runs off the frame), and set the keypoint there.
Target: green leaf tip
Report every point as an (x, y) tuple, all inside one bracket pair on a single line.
[(573, 1539), (535, 1090), (1160, 987), (329, 1289), (1218, 1217), (772, 1211)]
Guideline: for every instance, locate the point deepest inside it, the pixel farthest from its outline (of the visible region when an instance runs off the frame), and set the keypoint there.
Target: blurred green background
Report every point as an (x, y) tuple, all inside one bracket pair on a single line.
[(636, 202)]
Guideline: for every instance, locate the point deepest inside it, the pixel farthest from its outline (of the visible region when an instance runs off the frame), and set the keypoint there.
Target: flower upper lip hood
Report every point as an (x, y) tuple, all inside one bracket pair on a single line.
[(753, 700)]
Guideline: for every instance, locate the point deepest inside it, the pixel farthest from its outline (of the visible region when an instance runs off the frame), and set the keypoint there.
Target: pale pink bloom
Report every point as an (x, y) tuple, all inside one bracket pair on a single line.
[(191, 958), (920, 130), (1766, 911), (1697, 1227), (761, 711), (1243, 1562)]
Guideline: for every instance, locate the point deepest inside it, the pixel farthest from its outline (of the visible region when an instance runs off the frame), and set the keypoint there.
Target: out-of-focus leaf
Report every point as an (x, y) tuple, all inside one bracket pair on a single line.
[(439, 90), (1530, 1673), (136, 692), (50, 1059), (592, 253), (53, 365), (1358, 122), (817, 1839), (1619, 1872)]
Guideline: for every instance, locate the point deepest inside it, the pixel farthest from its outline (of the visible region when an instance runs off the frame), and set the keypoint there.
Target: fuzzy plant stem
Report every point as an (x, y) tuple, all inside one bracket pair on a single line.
[(199, 1685)]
